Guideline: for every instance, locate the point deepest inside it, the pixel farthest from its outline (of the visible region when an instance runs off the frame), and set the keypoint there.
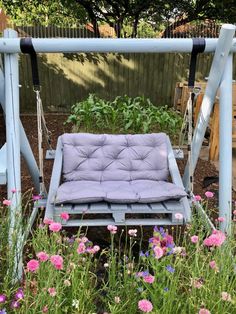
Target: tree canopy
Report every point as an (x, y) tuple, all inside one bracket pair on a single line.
[(125, 16)]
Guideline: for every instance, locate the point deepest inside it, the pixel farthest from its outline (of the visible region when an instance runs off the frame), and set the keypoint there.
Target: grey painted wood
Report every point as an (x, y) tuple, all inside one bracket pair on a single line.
[(3, 164), (158, 207), (173, 168), (176, 179), (128, 222), (119, 207), (119, 217), (55, 180), (173, 205), (99, 207), (140, 208)]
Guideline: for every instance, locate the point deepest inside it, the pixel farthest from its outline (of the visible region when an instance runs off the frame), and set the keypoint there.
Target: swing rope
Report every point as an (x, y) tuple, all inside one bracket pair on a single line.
[(187, 126), (26, 46)]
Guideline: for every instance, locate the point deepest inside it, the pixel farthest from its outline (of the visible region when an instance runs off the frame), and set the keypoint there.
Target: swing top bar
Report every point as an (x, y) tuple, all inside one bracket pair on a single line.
[(105, 45)]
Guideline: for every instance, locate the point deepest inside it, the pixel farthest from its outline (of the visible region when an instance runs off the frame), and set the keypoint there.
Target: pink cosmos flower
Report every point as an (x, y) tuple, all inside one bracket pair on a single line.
[(194, 239), (225, 296), (158, 251), (90, 250), (33, 265), (149, 278), (84, 239), (15, 304), (112, 229), (212, 264), (204, 311), (133, 232), (96, 248), (209, 194), (197, 198), (13, 191), (42, 256), (47, 221), (221, 219), (55, 226), (2, 298), (145, 306), (234, 212), (57, 261), (81, 248), (65, 216), (197, 283), (217, 238), (6, 202), (178, 216), (36, 197), (45, 309), (52, 292)]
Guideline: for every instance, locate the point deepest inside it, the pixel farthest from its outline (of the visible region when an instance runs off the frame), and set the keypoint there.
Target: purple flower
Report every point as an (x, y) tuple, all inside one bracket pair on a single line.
[(170, 252), (19, 294), (145, 273), (15, 304), (3, 311), (156, 229), (141, 254), (166, 289), (170, 269), (2, 298)]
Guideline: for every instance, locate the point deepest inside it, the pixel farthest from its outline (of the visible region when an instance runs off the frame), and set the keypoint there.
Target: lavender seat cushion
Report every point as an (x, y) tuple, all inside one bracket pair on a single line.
[(95, 157), (137, 191), (115, 168)]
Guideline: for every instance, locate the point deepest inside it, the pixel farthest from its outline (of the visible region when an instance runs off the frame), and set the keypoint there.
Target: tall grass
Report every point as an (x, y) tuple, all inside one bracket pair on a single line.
[(175, 273)]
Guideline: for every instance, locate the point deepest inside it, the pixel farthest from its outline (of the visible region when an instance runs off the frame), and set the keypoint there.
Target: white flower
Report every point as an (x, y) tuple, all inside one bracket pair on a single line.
[(179, 216), (133, 232), (75, 303)]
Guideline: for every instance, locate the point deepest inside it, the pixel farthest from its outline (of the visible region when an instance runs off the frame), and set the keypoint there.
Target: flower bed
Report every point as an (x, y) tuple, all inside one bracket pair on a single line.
[(190, 272)]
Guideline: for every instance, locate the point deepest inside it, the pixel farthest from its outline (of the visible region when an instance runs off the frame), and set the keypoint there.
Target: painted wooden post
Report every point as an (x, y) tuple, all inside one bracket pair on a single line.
[(223, 47), (13, 153), (225, 156), (25, 148)]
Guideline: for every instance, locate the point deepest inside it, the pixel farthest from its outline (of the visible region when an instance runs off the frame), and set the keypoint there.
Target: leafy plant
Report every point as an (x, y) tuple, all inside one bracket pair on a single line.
[(123, 115)]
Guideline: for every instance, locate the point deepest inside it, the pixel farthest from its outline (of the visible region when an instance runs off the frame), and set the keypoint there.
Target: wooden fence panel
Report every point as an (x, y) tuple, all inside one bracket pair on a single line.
[(67, 79)]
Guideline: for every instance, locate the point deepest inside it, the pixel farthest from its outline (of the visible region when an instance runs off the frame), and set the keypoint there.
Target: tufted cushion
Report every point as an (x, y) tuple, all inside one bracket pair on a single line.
[(137, 191), (114, 157), (116, 169)]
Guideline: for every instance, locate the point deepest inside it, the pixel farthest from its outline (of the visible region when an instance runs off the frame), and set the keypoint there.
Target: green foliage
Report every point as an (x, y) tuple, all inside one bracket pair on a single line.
[(44, 12), (127, 17), (123, 115), (114, 278)]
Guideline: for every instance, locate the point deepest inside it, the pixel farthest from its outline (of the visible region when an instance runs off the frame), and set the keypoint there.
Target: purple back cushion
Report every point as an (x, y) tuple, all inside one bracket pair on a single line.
[(106, 157)]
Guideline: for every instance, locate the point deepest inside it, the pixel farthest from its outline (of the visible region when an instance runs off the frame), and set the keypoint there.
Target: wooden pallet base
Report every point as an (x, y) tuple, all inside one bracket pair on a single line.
[(102, 214)]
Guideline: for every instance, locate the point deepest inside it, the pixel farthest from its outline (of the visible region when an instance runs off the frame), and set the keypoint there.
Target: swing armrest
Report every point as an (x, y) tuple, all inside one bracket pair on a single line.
[(55, 179), (173, 168)]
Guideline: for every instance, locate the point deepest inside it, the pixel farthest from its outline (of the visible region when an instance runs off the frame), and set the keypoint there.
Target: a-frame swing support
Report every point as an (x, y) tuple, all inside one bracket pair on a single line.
[(220, 76)]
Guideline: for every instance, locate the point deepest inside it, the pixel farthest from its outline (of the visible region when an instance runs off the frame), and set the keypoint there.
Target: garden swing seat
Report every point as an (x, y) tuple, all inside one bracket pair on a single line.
[(116, 179)]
